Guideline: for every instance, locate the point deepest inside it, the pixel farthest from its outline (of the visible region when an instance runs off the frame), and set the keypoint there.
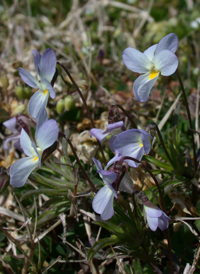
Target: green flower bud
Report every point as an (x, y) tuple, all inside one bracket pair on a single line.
[(60, 107), (27, 92), (19, 91), (69, 102), (4, 81)]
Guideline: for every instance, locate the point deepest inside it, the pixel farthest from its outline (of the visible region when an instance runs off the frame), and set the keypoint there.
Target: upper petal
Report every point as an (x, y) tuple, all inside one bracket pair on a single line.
[(21, 169), (142, 86), (166, 62), (169, 42), (153, 212), (37, 58), (47, 134), (28, 78), (37, 103), (150, 52), (10, 124), (27, 145), (136, 60), (48, 64), (97, 164)]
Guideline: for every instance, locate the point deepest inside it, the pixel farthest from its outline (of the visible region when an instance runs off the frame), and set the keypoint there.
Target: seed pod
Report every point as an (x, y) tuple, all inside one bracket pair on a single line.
[(69, 102), (27, 93), (60, 107), (19, 91), (4, 80)]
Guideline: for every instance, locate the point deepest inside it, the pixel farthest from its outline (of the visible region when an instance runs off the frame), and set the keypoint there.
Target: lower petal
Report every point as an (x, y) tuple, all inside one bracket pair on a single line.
[(142, 87), (163, 222), (153, 223), (21, 169)]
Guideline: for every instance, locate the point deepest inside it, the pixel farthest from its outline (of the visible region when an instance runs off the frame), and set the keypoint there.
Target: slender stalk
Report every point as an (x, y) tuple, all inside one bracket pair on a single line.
[(170, 250), (163, 144), (80, 165), (189, 118), (86, 106), (126, 113)]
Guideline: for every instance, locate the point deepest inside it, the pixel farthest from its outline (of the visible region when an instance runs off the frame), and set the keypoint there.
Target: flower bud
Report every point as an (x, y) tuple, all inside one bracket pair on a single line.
[(69, 102), (27, 93), (60, 107), (19, 91)]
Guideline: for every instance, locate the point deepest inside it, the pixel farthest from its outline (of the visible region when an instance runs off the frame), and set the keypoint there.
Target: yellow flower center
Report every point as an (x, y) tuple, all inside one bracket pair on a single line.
[(45, 91), (141, 145), (153, 74), (35, 159)]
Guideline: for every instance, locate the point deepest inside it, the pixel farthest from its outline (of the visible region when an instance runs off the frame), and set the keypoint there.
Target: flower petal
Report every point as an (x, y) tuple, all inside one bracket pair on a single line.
[(153, 223), (21, 169), (98, 133), (41, 118), (153, 212), (116, 158), (37, 58), (150, 52), (169, 42), (97, 164), (103, 203), (142, 87), (10, 124), (27, 145), (136, 60), (146, 142), (163, 222), (166, 62), (37, 103), (48, 86), (48, 64), (47, 134), (28, 78), (15, 136)]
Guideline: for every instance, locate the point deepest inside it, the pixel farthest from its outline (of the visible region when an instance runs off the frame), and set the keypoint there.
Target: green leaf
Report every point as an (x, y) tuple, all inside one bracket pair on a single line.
[(158, 163), (101, 244)]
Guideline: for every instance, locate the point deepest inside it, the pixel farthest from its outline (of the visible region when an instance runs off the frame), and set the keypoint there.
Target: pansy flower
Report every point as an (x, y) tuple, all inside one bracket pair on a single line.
[(133, 143), (156, 217), (158, 59), (103, 200), (45, 67), (45, 135)]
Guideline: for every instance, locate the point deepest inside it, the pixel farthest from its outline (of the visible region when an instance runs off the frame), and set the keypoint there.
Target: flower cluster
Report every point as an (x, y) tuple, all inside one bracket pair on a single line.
[(46, 132)]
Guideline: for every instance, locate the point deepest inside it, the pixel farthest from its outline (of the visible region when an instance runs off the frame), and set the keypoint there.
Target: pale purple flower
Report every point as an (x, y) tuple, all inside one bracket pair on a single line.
[(103, 200), (15, 125), (156, 217), (45, 67), (111, 129), (158, 59), (45, 136), (133, 143)]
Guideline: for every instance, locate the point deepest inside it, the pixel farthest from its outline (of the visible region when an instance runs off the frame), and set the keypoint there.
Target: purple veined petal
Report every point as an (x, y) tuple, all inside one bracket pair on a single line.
[(166, 62), (150, 52), (21, 169), (97, 164), (98, 134), (28, 78), (169, 42), (10, 124), (47, 134), (108, 176), (142, 86), (153, 212), (116, 158), (41, 118), (137, 154), (48, 64), (153, 223), (163, 222), (111, 141), (37, 103), (136, 60), (146, 143), (47, 86), (103, 203), (15, 136), (26, 144), (131, 137), (37, 58)]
